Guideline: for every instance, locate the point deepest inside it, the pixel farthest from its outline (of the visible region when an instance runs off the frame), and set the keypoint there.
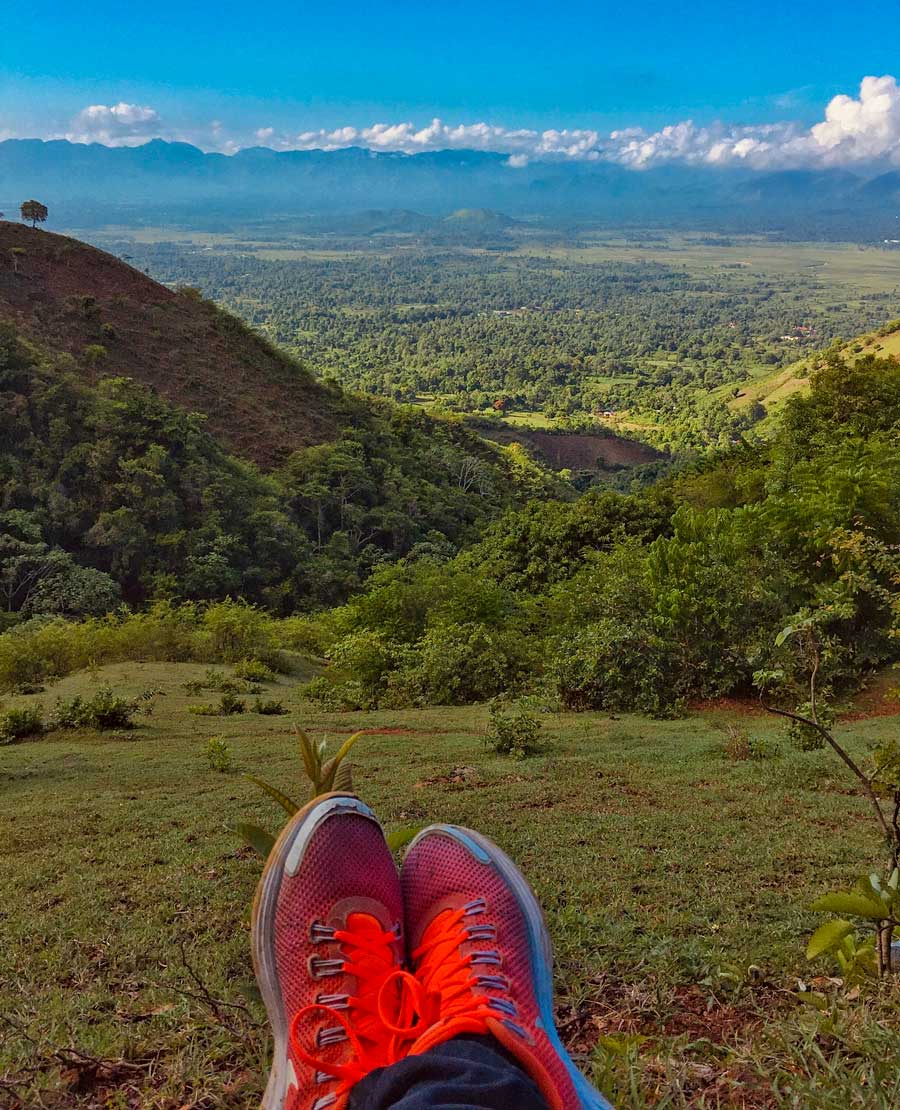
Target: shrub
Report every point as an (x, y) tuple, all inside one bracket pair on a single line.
[(205, 709), (104, 711), (367, 657), (230, 703), (613, 666), (252, 670), (269, 708), (218, 755), (18, 724), (455, 664), (740, 746), (335, 695), (512, 730)]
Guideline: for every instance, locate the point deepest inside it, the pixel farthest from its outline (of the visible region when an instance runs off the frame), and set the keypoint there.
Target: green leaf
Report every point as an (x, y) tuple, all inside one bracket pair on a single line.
[(827, 936), (290, 807), (310, 755), (330, 768), (343, 778), (256, 838), (399, 838), (784, 634), (857, 905), (812, 998)]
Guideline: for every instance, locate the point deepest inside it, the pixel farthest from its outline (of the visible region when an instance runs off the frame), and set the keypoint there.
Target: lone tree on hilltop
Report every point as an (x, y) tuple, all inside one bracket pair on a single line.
[(35, 211)]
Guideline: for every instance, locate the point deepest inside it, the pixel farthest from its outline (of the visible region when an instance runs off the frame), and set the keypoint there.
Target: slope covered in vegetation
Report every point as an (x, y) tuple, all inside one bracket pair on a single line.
[(113, 320), (645, 601), (134, 422)]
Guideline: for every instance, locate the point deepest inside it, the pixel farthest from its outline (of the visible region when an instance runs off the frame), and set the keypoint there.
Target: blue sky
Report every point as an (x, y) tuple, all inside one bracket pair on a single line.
[(309, 67)]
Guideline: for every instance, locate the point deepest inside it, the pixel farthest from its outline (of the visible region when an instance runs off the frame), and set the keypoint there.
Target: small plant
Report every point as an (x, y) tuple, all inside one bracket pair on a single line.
[(323, 773), (513, 731), (19, 724), (871, 900), (269, 708), (104, 711), (205, 709), (218, 755), (252, 670), (230, 703)]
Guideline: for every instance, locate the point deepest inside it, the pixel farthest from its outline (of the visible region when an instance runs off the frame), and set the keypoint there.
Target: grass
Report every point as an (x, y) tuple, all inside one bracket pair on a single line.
[(674, 881)]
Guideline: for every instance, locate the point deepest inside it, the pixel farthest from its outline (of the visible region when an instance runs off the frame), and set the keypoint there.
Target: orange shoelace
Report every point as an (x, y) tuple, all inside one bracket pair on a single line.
[(453, 997), (375, 1022)]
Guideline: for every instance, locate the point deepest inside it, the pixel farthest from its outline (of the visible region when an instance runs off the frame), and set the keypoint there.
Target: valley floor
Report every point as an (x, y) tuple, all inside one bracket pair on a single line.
[(674, 880)]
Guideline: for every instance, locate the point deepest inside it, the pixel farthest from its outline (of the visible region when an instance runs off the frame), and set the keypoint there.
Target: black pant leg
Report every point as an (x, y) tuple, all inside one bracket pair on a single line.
[(466, 1073)]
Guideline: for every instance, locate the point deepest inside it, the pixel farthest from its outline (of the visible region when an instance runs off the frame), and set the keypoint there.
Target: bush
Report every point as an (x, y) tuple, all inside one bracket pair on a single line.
[(456, 664), (230, 703), (18, 724), (205, 709), (218, 755), (513, 731), (368, 657), (252, 670), (103, 711), (269, 708), (618, 667), (335, 695), (740, 746)]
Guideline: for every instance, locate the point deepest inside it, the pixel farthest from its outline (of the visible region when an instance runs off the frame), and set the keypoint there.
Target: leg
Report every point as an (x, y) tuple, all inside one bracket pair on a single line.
[(466, 1073)]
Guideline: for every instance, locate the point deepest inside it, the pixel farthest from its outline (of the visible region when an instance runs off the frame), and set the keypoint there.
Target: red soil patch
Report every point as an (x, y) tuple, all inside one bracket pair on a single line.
[(68, 296), (880, 699), (576, 450)]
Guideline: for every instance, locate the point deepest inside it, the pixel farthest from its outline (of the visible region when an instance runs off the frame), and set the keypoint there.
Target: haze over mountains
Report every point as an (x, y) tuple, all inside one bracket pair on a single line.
[(91, 184)]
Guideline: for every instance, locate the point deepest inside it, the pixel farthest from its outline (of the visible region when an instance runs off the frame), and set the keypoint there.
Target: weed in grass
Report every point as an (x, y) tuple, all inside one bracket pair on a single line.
[(513, 730), (21, 724), (269, 708), (252, 670), (218, 755), (104, 711)]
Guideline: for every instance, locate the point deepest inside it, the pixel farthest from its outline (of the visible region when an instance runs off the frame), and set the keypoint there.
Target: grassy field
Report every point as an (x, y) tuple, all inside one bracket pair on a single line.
[(849, 266), (674, 879)]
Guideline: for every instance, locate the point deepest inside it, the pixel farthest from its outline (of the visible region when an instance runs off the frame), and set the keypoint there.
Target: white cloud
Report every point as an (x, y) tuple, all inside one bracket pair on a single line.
[(860, 129), (115, 124), (863, 129), (409, 139)]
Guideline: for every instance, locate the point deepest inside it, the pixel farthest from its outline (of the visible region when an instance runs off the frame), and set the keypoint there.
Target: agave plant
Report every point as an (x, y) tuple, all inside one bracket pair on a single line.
[(324, 774)]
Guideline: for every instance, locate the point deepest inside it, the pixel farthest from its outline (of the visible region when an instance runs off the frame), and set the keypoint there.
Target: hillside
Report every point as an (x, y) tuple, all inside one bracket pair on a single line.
[(772, 390), (115, 321), (138, 424)]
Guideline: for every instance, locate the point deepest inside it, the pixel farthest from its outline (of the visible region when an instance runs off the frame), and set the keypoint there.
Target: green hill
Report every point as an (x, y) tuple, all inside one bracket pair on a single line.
[(153, 439), (772, 390)]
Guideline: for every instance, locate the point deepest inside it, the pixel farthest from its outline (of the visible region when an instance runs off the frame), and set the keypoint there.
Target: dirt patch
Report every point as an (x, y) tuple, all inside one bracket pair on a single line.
[(577, 450), (880, 699), (745, 707)]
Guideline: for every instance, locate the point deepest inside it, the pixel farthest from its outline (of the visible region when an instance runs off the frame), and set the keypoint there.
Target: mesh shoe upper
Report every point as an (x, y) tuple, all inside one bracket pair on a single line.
[(327, 934), (480, 952)]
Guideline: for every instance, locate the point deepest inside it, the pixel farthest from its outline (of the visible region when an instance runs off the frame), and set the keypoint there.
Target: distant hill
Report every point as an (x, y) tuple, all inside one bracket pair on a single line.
[(479, 218), (163, 182), (114, 320)]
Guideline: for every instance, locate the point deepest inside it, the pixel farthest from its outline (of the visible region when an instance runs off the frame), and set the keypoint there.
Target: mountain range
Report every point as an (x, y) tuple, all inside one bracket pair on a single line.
[(94, 184)]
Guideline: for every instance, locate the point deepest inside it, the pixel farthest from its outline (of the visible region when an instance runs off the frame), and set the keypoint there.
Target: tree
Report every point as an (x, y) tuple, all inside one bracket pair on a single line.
[(33, 210)]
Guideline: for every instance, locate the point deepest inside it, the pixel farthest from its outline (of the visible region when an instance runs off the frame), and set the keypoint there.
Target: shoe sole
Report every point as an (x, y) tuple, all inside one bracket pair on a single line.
[(540, 949), (291, 844)]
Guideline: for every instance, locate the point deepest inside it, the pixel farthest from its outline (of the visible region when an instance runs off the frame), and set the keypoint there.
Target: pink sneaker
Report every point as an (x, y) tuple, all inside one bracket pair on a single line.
[(327, 937), (480, 951)]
